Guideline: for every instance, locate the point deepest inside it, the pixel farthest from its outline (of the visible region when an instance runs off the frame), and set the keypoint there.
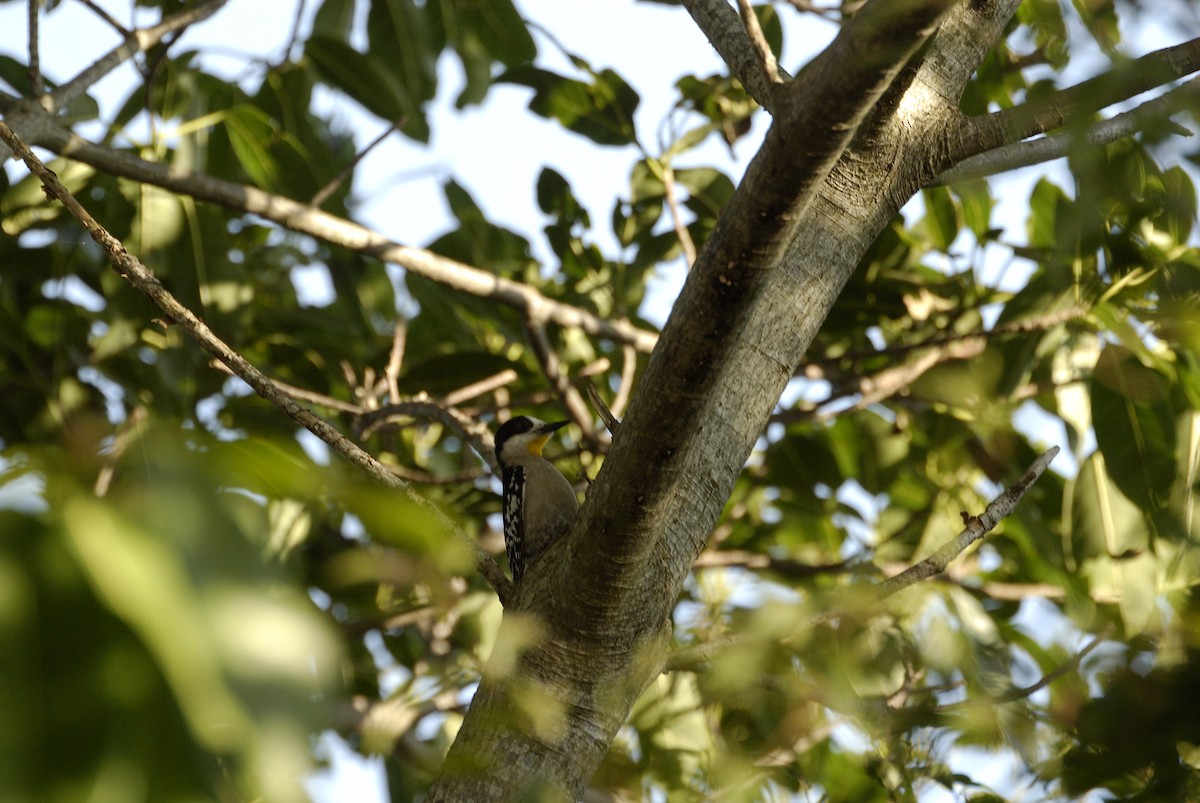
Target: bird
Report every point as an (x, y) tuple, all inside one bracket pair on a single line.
[(539, 503)]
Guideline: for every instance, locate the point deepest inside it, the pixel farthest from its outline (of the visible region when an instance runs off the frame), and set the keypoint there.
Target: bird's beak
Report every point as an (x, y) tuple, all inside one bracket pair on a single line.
[(544, 432)]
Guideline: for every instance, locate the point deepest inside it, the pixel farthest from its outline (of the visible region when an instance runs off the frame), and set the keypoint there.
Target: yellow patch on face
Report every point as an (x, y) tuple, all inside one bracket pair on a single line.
[(537, 444)]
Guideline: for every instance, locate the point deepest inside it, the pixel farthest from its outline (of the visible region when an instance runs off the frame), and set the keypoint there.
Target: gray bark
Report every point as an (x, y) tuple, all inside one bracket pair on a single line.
[(865, 126)]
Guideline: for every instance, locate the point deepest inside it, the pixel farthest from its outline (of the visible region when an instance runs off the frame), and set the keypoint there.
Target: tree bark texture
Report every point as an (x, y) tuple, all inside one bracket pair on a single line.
[(865, 126)]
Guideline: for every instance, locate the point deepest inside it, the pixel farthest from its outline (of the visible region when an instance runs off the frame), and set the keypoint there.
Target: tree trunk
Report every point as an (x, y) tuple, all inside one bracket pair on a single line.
[(863, 128)]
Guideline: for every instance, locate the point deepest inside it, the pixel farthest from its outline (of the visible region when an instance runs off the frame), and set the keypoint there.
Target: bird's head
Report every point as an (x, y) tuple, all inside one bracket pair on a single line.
[(523, 438)]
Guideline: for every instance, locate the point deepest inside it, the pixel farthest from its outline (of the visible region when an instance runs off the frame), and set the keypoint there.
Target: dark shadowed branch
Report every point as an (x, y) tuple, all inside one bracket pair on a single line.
[(1152, 113), (988, 132)]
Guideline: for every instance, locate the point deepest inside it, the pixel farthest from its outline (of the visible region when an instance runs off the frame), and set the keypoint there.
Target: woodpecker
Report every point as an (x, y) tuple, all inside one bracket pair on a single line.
[(539, 503)]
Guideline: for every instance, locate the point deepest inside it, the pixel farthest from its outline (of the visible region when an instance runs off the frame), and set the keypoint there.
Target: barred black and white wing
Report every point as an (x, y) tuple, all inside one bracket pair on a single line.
[(514, 519)]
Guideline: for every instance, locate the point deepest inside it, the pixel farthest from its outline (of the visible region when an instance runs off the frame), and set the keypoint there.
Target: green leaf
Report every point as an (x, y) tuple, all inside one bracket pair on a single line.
[(443, 373), (976, 202), (369, 80), (689, 140), (477, 241), (250, 132), (1100, 18), (334, 19), (1048, 206), (397, 27), (708, 190), (601, 110), (79, 109), (482, 33), (1045, 19), (160, 222), (554, 197), (24, 204), (941, 217), (500, 29), (15, 74), (1179, 204), (1102, 522), (1135, 427)]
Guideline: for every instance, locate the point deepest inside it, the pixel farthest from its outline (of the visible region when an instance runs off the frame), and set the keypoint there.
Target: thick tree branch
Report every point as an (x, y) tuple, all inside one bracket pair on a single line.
[(1005, 127), (143, 279), (306, 220), (690, 426), (1156, 112), (682, 435)]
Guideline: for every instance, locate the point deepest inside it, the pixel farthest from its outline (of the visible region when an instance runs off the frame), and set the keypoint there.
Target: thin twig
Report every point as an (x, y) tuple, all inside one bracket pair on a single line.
[(142, 278), (628, 372), (874, 388), (1012, 695), (606, 415), (294, 36), (681, 230), (829, 13), (130, 429), (301, 394), (475, 389), (976, 528), (36, 86), (547, 358), (347, 170), (786, 567), (138, 41), (725, 31), (883, 385), (427, 478), (472, 430), (766, 59), (1035, 323), (104, 15), (1046, 113), (396, 359)]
